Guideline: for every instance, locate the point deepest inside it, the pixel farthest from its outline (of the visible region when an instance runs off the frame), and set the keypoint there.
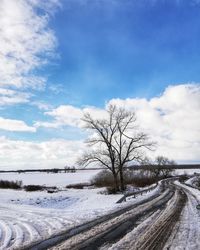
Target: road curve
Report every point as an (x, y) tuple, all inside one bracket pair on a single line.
[(157, 233), (115, 228)]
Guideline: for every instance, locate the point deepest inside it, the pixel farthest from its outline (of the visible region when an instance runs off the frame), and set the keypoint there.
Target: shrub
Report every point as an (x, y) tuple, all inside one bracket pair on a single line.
[(55, 170), (196, 182), (143, 181), (131, 177), (139, 178), (111, 190), (183, 178), (78, 185), (10, 184), (31, 188), (103, 179)]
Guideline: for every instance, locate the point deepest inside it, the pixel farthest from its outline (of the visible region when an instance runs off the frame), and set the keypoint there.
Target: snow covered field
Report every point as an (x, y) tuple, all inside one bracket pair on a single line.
[(51, 179), (187, 171), (30, 216)]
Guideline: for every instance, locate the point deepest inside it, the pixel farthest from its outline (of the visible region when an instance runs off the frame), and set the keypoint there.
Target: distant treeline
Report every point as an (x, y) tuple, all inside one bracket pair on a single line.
[(49, 170), (176, 166), (74, 169)]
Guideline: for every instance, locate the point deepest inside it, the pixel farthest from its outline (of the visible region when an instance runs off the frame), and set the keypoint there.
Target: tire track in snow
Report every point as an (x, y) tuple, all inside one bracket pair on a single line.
[(112, 228), (15, 232), (7, 235), (18, 228), (151, 233), (187, 236), (17, 236)]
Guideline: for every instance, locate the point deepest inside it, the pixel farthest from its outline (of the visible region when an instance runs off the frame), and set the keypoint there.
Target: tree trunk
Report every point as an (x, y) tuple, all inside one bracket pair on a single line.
[(116, 184), (122, 186)]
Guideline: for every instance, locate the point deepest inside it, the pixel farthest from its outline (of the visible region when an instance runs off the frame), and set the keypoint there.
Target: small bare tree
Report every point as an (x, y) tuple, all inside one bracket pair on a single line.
[(161, 167), (115, 142), (164, 166)]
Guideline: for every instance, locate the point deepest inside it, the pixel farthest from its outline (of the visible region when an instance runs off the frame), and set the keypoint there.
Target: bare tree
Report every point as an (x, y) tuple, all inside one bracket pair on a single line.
[(116, 141), (161, 167), (164, 166)]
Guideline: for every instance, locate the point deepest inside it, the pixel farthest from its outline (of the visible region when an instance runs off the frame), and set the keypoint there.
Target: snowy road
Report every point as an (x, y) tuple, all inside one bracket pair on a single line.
[(187, 232), (111, 230), (159, 220), (168, 221), (169, 229)]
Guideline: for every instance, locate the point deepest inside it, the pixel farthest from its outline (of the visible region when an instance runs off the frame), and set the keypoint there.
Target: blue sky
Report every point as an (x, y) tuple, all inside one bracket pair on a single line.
[(127, 49), (85, 53)]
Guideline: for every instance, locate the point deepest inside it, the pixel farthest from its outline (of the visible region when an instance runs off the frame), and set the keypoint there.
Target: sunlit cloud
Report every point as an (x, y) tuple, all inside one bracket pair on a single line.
[(172, 119)]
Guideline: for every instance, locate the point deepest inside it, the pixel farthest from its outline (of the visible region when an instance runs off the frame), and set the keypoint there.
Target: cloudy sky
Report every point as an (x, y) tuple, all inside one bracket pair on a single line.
[(60, 58)]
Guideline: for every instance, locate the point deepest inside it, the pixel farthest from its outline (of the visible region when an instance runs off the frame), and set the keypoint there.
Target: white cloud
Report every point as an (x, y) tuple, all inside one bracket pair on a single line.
[(18, 154), (185, 96), (11, 97), (25, 42), (172, 119), (41, 105), (47, 124), (15, 125), (57, 88), (48, 6), (67, 115)]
